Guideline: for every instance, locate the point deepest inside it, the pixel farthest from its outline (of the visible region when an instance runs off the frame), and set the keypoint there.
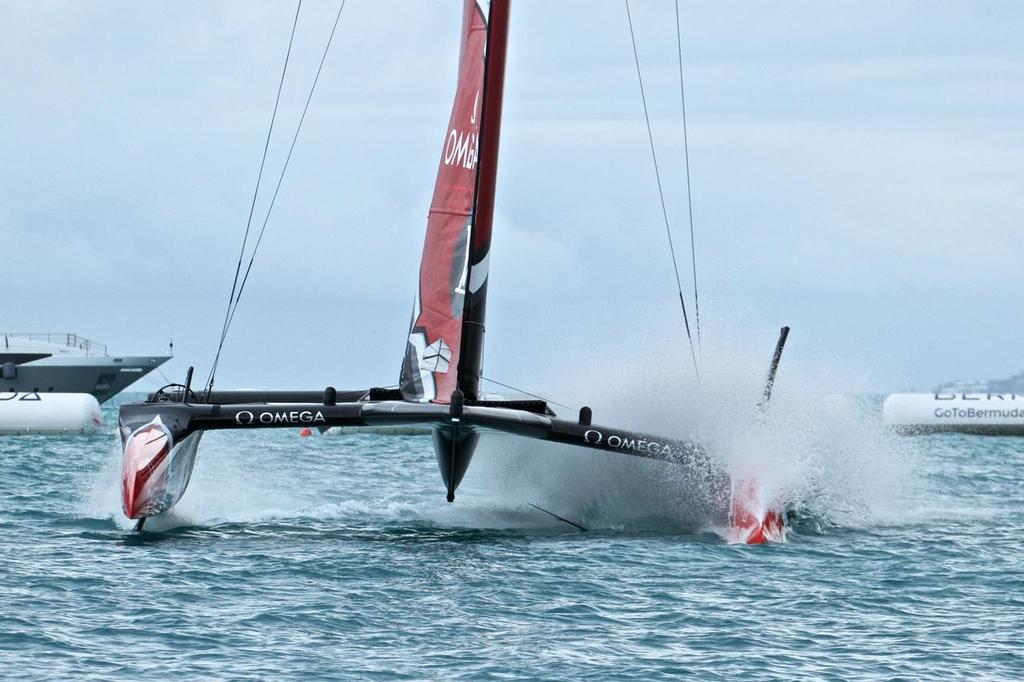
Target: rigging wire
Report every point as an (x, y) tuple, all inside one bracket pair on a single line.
[(661, 192), (255, 195), (689, 195), (291, 149), (152, 381), (287, 160), (519, 390)]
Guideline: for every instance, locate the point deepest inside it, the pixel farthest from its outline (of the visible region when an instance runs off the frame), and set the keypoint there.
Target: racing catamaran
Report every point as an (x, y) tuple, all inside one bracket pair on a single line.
[(440, 376)]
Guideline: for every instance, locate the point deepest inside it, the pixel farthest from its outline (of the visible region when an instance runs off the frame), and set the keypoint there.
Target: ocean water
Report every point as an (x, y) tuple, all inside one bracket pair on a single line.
[(336, 557)]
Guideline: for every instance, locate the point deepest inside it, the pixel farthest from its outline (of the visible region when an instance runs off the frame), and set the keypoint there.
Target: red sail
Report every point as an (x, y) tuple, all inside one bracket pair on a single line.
[(452, 247)]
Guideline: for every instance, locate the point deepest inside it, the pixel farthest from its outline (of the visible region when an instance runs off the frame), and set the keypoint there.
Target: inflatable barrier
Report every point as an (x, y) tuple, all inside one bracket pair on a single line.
[(984, 413), (48, 413)]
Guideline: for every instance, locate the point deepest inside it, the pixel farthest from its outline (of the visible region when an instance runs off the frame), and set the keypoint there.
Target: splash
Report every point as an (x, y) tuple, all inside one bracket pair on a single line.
[(237, 481), (275, 478), (100, 498), (825, 457)]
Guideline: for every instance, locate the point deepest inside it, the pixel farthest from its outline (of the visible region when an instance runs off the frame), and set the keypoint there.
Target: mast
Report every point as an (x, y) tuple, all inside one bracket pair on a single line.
[(471, 359)]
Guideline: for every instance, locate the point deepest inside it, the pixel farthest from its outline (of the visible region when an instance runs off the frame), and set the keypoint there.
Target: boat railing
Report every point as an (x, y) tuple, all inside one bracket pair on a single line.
[(65, 339)]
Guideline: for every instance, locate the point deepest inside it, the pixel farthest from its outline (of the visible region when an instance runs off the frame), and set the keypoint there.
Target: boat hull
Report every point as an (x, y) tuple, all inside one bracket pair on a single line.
[(454, 448), (156, 469), (751, 520), (100, 376), (160, 441)]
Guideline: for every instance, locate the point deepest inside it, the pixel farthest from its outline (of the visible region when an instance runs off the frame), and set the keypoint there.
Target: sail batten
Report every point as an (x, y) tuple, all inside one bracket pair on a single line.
[(445, 342)]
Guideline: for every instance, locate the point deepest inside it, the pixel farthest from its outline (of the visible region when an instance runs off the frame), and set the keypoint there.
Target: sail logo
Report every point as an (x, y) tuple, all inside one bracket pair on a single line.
[(462, 148), (436, 357), (247, 418)]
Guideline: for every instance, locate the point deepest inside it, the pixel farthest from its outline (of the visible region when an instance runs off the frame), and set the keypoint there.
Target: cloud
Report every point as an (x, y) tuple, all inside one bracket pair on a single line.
[(850, 168)]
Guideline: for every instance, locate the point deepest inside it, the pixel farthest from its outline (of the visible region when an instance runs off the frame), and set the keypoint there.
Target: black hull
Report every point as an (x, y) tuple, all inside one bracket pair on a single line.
[(456, 429), (454, 447)]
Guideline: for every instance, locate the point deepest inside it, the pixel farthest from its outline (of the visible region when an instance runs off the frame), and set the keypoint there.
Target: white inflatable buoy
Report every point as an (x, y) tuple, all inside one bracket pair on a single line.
[(48, 413), (985, 413)]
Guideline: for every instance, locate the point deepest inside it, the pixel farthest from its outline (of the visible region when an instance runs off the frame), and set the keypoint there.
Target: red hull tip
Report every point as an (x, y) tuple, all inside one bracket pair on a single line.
[(751, 524), (144, 453), (770, 529)]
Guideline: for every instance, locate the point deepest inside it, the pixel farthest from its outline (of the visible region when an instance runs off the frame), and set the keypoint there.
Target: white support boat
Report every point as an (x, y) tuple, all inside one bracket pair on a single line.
[(68, 363)]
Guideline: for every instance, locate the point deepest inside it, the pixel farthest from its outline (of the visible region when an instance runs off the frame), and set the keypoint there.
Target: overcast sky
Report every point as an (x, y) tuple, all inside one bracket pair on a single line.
[(857, 173)]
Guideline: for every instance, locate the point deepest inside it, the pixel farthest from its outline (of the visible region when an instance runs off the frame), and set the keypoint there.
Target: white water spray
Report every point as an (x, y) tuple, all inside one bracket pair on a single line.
[(826, 456)]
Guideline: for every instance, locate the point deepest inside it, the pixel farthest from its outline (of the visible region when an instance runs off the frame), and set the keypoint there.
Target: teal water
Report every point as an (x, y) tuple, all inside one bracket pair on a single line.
[(337, 557)]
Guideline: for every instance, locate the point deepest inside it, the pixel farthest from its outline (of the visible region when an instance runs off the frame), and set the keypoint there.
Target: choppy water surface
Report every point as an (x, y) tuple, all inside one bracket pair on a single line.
[(337, 557)]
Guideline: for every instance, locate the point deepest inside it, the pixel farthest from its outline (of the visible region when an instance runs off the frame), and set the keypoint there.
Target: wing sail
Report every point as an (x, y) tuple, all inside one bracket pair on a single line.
[(454, 263)]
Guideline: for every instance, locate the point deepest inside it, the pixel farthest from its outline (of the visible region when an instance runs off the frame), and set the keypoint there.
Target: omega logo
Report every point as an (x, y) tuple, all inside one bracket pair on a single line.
[(247, 418)]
